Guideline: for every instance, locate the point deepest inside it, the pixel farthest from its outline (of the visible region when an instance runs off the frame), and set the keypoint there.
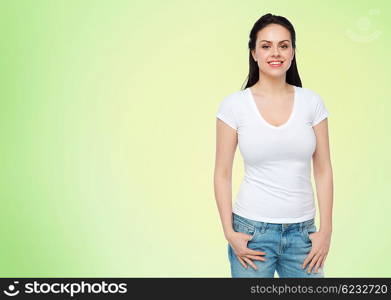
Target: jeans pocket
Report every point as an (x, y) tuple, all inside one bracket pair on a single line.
[(308, 230), (244, 227)]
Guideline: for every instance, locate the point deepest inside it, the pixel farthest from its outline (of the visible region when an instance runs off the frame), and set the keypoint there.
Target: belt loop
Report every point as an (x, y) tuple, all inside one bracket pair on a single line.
[(263, 227)]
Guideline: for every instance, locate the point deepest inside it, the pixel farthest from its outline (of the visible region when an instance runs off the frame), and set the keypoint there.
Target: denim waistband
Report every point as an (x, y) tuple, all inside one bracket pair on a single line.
[(262, 226)]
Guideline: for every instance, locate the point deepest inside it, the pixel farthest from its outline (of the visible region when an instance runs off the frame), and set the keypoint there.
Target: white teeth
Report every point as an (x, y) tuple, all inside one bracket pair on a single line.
[(275, 63)]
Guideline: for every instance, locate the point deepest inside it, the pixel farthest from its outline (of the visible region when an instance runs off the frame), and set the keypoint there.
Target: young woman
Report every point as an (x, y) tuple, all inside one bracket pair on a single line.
[(279, 126)]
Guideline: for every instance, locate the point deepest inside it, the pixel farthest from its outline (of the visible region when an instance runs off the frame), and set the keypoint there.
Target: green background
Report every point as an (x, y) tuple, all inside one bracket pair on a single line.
[(108, 131)]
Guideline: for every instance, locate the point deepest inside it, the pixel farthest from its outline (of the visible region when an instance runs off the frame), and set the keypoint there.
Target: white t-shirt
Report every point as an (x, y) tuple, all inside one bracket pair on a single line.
[(276, 187)]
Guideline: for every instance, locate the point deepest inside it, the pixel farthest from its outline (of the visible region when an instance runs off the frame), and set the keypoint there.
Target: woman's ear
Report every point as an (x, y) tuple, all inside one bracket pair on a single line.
[(253, 55)]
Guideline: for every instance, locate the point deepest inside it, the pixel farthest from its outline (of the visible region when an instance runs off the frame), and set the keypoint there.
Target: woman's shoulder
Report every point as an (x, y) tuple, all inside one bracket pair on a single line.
[(309, 94), (233, 98)]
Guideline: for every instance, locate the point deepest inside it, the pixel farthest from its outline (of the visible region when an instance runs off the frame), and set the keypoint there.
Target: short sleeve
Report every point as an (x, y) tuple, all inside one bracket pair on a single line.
[(320, 112), (226, 112)]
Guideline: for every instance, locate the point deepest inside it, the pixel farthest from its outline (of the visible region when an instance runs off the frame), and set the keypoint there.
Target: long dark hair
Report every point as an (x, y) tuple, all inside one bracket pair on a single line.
[(292, 75)]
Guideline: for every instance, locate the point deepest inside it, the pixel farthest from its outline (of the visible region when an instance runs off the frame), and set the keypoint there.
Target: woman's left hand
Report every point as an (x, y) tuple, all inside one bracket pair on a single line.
[(320, 248)]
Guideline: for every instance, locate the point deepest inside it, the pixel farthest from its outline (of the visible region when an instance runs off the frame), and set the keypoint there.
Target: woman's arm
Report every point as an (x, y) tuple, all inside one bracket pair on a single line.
[(323, 176), (324, 189), (226, 144)]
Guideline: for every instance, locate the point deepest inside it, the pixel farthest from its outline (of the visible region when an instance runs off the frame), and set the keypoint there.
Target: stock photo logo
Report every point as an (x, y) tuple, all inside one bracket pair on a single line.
[(70, 288), (11, 290), (364, 30)]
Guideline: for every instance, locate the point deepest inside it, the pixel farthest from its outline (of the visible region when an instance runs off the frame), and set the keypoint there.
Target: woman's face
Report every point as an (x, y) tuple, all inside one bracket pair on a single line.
[(273, 44)]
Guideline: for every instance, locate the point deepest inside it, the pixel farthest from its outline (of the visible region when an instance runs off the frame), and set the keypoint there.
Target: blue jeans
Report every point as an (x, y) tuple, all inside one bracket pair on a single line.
[(286, 247)]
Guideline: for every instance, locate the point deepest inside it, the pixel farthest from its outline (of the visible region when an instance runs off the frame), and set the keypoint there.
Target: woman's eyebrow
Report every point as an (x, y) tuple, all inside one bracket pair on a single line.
[(271, 42)]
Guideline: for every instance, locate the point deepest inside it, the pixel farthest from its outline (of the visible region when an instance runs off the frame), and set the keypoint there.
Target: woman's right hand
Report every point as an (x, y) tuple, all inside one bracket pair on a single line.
[(238, 242)]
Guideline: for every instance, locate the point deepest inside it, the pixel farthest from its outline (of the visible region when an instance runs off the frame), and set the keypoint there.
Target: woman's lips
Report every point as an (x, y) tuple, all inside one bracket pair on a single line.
[(275, 65)]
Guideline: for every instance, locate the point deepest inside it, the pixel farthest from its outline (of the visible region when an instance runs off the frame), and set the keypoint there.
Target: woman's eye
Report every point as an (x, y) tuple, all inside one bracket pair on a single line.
[(266, 46)]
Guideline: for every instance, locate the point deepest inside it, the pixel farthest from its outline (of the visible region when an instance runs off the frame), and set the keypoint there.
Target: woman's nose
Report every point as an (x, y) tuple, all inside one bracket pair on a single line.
[(276, 51)]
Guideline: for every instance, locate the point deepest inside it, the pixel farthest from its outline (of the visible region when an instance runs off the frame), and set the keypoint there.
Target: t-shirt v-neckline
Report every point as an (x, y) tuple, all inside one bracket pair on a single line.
[(258, 113)]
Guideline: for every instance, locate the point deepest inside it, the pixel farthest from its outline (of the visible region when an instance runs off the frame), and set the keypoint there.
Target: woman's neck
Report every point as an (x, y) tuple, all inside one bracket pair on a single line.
[(272, 86)]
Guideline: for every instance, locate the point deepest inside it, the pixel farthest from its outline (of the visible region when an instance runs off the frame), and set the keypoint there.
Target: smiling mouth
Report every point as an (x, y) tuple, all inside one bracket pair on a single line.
[(275, 63)]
